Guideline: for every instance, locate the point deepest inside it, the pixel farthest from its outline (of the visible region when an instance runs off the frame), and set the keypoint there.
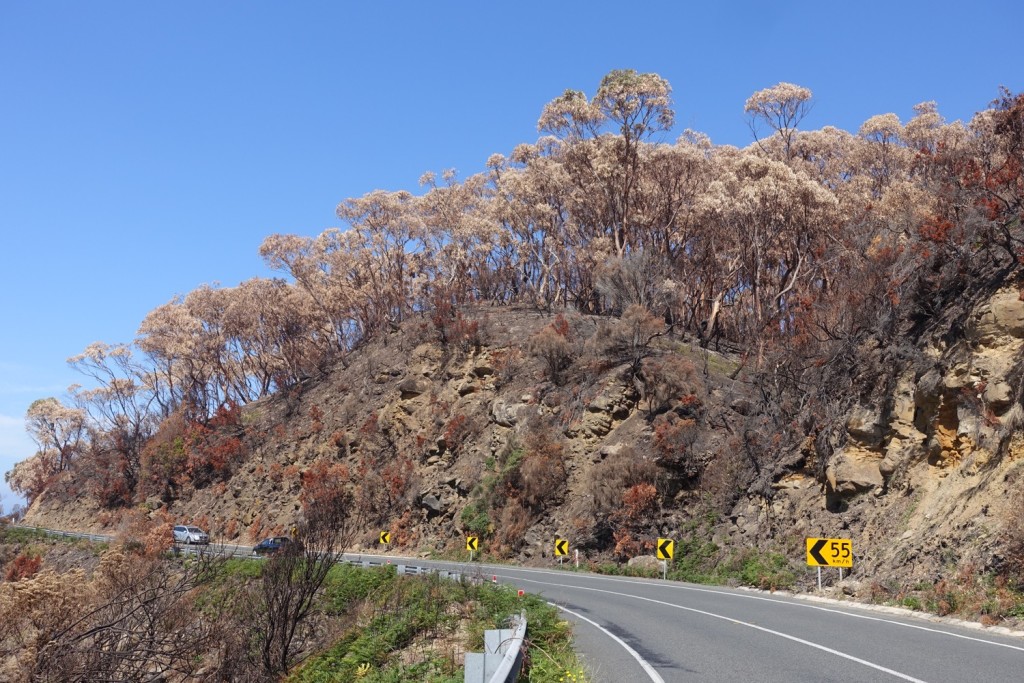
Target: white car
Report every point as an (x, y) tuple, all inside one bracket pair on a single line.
[(190, 535)]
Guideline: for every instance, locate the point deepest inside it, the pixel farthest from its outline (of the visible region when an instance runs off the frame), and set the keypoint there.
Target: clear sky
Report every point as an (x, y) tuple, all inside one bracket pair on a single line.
[(147, 148)]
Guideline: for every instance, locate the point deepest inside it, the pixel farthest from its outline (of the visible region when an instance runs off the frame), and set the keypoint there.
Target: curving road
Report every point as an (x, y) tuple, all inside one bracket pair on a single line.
[(648, 630)]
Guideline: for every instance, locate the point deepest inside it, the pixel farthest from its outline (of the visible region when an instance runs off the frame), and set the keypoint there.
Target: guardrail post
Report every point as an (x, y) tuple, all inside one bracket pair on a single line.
[(502, 656)]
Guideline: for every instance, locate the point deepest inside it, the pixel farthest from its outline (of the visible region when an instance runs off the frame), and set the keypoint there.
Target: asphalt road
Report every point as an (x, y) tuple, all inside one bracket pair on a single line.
[(648, 630)]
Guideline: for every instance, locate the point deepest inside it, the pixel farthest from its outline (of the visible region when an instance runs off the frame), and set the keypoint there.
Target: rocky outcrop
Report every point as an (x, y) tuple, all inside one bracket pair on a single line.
[(509, 414), (854, 470), (612, 405), (413, 387)]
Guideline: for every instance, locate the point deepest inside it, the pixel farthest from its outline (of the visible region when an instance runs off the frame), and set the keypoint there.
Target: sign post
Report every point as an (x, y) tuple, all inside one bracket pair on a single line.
[(829, 552), (471, 545)]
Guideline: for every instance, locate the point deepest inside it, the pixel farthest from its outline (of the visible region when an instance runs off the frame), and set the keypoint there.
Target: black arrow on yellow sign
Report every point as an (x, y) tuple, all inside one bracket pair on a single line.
[(561, 546), (815, 552), (471, 542), (385, 537), (665, 548)]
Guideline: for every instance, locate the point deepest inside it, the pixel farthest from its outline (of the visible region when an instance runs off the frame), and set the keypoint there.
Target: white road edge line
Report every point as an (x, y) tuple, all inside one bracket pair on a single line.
[(655, 676), (817, 646), (790, 603)]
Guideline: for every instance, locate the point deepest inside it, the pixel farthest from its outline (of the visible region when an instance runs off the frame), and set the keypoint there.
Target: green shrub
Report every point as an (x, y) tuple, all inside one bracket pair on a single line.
[(911, 602), (475, 519)]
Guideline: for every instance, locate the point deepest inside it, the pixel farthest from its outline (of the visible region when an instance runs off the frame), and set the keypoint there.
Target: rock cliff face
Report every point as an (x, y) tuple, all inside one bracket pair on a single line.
[(929, 477), (925, 480)]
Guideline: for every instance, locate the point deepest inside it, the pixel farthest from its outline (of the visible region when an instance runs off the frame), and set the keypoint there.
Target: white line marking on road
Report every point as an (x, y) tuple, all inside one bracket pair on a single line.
[(817, 646), (762, 598), (794, 603), (636, 655)]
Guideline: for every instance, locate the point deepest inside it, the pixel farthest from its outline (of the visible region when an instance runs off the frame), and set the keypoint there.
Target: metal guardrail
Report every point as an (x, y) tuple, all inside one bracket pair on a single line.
[(502, 657), (228, 550), (97, 538)]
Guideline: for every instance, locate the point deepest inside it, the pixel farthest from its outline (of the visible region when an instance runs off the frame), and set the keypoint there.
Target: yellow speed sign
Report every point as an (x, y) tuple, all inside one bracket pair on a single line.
[(829, 552)]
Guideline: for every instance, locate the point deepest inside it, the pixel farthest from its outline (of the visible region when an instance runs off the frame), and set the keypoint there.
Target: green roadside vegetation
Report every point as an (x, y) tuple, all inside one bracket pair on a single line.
[(968, 593), (37, 541), (702, 562), (394, 629), (372, 625)]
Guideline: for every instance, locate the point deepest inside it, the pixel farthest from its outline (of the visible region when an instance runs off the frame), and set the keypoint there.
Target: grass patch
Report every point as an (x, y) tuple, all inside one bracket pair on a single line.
[(701, 561), (416, 628), (967, 594), (10, 534)]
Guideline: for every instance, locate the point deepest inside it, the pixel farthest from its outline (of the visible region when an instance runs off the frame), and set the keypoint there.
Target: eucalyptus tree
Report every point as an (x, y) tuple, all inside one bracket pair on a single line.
[(781, 108)]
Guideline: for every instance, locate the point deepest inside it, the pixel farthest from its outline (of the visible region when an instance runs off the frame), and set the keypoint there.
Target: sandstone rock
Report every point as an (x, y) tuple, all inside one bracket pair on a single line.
[(865, 426), (998, 395), (483, 370), (598, 424), (900, 452), (853, 471), (960, 376), (906, 431), (610, 449), (413, 387), (904, 403), (458, 485), (507, 414), (602, 404), (649, 562), (431, 504), (790, 482), (1002, 316), (467, 388)]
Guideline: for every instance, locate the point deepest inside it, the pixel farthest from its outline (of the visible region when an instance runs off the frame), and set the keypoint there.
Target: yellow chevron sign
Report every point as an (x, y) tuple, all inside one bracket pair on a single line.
[(385, 537), (472, 542), (561, 547), (666, 548)]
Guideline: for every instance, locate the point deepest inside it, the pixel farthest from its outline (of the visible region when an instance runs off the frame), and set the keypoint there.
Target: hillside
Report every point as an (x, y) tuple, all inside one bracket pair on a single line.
[(611, 338), (444, 441)]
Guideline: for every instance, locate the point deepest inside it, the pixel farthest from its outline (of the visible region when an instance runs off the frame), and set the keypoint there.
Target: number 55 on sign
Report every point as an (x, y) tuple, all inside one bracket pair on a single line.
[(829, 552)]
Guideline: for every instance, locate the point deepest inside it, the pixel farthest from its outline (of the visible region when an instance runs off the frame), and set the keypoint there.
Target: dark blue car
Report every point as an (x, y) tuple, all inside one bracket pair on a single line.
[(272, 546)]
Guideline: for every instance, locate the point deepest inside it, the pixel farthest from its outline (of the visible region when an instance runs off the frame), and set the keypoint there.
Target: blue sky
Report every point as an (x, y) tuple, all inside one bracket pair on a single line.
[(148, 148)]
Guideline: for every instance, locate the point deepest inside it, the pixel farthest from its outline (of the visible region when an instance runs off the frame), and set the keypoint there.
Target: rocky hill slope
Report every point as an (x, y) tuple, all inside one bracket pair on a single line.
[(612, 433)]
